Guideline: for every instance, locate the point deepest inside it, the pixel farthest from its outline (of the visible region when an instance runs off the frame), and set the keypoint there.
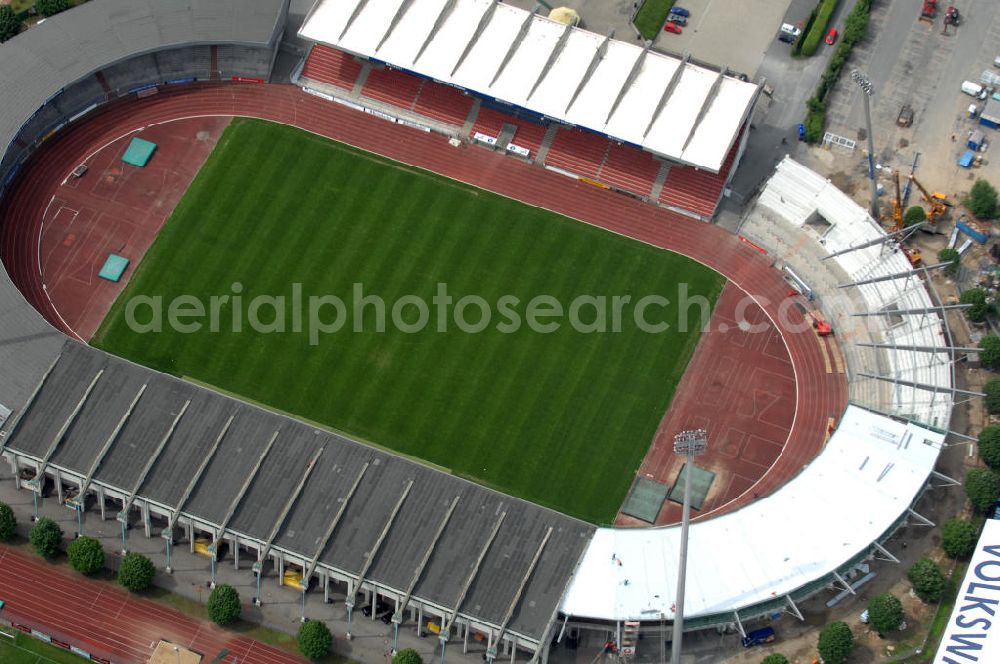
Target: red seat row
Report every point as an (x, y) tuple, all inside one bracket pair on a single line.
[(631, 169), (578, 151), (490, 122), (392, 87), (332, 67), (443, 103), (696, 190)]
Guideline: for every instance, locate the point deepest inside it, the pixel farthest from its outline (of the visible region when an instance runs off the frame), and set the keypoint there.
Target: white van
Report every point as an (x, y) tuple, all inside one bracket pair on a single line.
[(789, 33), (974, 90), (996, 61)]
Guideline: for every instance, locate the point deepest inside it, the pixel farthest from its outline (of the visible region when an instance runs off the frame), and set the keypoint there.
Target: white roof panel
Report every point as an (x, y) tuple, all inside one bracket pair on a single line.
[(483, 61), (592, 106), (867, 476), (707, 149)]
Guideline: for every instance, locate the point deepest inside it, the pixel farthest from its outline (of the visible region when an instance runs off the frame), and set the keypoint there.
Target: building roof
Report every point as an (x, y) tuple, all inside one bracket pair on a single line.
[(867, 476), (564, 72)]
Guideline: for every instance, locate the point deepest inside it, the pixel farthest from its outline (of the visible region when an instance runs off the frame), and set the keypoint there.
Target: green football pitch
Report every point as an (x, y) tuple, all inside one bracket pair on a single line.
[(561, 418)]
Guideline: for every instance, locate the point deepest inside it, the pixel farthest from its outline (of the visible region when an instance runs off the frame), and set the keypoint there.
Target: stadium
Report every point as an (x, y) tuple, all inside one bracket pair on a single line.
[(607, 154)]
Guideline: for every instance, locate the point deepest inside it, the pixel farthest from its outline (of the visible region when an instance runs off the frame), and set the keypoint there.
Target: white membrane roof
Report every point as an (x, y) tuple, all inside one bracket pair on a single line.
[(696, 123)]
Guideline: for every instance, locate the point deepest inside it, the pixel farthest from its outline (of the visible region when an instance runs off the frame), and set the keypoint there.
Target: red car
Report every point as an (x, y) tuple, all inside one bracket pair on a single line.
[(831, 36), (672, 27)]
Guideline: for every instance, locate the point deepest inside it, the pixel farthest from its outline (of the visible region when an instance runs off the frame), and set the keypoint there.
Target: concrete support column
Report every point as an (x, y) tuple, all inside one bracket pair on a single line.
[(236, 553), (59, 486), (15, 467), (374, 602), (281, 569), (100, 499), (420, 618), (326, 587), (189, 529), (513, 652), (147, 524), (465, 640), (544, 655)]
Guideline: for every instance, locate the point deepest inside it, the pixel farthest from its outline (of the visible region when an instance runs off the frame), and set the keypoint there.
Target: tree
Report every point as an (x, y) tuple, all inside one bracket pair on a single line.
[(10, 23), (989, 437), (950, 256), (977, 298), (990, 357), (776, 658), (836, 642), (136, 572), (407, 656), (914, 215), (8, 523), (992, 392), (885, 612), (927, 579), (982, 486), (51, 7), (224, 605), (45, 537), (86, 555), (314, 639), (959, 537), (982, 200)]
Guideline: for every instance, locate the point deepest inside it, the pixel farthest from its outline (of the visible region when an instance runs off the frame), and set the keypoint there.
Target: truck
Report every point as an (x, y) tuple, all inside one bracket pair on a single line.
[(905, 117)]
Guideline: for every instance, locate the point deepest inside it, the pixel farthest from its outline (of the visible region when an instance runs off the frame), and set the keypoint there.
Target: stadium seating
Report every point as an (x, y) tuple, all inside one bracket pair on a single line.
[(181, 62), (392, 87), (332, 67), (631, 169), (529, 134), (443, 103), (235, 60), (578, 151), (696, 190)]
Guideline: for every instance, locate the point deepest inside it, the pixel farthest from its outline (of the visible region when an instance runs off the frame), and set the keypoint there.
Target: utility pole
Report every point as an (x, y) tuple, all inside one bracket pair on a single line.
[(691, 444), (868, 89)]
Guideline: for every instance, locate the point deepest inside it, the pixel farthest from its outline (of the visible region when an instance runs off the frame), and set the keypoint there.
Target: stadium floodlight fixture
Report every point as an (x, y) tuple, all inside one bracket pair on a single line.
[(690, 443)]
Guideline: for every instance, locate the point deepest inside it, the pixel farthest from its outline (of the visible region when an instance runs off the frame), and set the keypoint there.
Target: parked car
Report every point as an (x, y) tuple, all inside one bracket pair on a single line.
[(678, 19), (759, 637), (831, 37), (789, 33), (680, 11), (672, 27)]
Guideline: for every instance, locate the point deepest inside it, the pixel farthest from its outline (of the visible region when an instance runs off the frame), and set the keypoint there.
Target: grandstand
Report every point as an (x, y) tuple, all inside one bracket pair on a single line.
[(615, 111)]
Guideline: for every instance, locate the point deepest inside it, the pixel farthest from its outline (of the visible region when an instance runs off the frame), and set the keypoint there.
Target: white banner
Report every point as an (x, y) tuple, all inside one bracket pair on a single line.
[(973, 633)]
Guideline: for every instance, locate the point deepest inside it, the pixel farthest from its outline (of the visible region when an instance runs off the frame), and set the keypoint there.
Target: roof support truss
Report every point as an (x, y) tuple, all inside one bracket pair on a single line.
[(923, 349), (332, 527), (888, 237), (844, 583), (885, 553), (193, 482), (443, 15), (920, 518), (739, 624), (706, 105), (945, 480), (515, 43), (446, 628), (890, 277), (238, 498), (381, 538), (127, 504), (403, 7), (667, 92), (517, 594), (80, 498), (289, 504), (27, 405), (595, 62), (397, 617), (912, 312), (629, 80), (794, 608), (921, 386), (553, 56), (54, 445)]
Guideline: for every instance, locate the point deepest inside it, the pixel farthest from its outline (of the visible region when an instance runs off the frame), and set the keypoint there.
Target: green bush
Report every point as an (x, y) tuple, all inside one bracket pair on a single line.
[(835, 643), (86, 555), (815, 120), (856, 25), (8, 523), (224, 605), (51, 7), (950, 256), (407, 656), (927, 579), (989, 437), (817, 31), (855, 30), (45, 537), (10, 23), (959, 537), (977, 298), (314, 639), (982, 486), (136, 572), (990, 357), (914, 215), (992, 392), (776, 658), (982, 200), (885, 612)]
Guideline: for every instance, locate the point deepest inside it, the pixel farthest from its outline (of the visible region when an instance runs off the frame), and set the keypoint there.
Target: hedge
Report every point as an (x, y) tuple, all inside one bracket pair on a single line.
[(818, 28)]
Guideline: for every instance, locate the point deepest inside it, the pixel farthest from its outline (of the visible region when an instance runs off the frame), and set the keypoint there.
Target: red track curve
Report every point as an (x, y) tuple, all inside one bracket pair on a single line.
[(820, 394)]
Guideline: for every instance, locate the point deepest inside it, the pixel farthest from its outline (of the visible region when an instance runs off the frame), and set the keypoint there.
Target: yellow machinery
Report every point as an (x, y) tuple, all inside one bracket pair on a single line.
[(939, 202), (897, 206), (201, 545), (292, 578)]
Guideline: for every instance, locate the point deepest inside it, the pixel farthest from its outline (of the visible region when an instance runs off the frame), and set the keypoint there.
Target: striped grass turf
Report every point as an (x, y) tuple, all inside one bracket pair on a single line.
[(562, 419)]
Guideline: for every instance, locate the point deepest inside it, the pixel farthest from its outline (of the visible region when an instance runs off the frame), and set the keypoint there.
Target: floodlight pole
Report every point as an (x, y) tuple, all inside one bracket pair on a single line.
[(691, 444), (868, 90)]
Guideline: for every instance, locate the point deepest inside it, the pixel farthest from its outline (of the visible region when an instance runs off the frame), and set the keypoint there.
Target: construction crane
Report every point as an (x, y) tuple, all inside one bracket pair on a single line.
[(939, 202), (897, 206)]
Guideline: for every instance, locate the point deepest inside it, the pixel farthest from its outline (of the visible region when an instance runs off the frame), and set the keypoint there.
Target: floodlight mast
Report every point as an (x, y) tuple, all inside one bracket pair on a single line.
[(690, 443), (868, 89)]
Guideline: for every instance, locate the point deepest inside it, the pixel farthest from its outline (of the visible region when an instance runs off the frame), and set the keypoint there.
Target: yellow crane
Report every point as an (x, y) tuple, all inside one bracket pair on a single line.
[(897, 206), (939, 202)]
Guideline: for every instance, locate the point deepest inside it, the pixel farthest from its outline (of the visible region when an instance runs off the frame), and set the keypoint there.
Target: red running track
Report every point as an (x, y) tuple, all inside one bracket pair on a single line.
[(107, 621), (821, 394)]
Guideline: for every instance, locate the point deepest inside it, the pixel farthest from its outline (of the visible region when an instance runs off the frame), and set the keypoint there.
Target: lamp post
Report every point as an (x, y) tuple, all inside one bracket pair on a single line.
[(868, 89), (691, 444)]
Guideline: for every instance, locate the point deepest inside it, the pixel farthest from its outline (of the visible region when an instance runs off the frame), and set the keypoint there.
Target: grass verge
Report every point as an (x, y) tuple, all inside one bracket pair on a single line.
[(651, 16)]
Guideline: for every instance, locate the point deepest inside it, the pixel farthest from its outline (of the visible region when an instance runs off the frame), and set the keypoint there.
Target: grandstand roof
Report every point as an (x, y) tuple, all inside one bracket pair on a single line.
[(566, 73), (871, 470)]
